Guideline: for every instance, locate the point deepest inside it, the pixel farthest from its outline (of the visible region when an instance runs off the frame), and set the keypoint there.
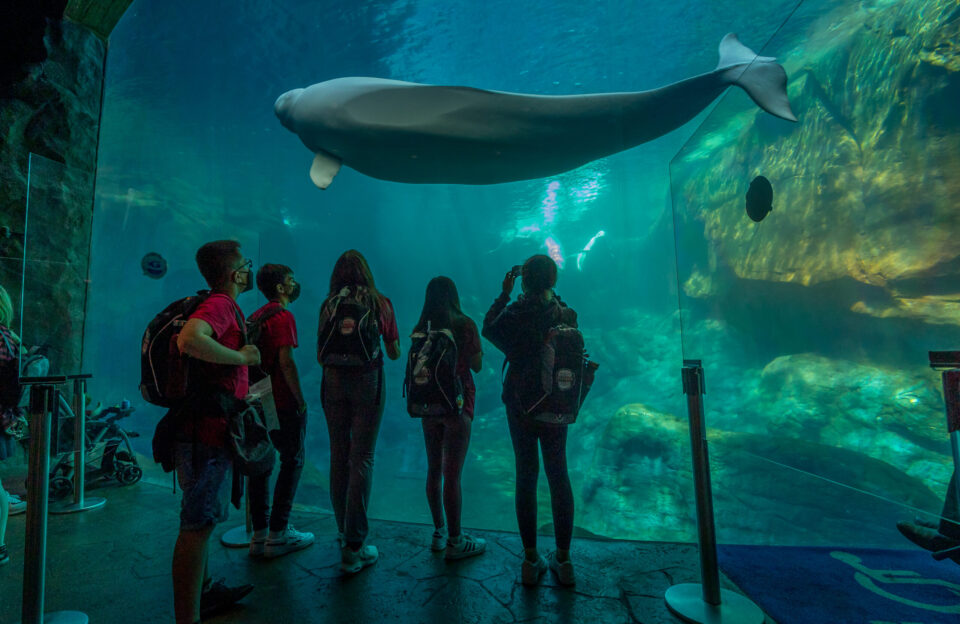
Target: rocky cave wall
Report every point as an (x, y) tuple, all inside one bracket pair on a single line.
[(54, 112)]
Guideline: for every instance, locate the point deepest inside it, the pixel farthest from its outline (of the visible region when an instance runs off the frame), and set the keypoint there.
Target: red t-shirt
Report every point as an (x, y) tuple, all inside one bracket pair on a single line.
[(280, 330), (388, 321), (223, 315), (468, 345)]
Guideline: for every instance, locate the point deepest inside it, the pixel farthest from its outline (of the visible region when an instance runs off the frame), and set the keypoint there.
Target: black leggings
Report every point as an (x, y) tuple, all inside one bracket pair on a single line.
[(553, 440)]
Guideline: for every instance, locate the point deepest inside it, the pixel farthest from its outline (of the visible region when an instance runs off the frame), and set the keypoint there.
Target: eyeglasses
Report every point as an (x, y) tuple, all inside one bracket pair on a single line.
[(246, 266)]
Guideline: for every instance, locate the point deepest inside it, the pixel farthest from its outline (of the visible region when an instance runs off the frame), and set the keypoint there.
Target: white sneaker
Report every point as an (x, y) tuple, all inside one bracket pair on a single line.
[(352, 561), (17, 505), (257, 542), (438, 541), (465, 546), (563, 570), (531, 571), (289, 541)]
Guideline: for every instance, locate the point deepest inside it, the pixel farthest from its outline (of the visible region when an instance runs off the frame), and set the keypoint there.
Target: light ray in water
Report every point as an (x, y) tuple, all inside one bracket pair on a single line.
[(549, 206)]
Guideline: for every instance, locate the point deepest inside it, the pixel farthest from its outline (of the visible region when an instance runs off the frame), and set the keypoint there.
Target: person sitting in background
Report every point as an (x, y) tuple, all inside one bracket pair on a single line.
[(10, 414), (938, 536), (215, 335), (277, 340), (448, 436), (353, 318), (518, 330)]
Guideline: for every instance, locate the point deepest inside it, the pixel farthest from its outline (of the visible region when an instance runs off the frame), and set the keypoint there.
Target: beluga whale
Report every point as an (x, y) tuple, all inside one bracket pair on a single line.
[(430, 134)]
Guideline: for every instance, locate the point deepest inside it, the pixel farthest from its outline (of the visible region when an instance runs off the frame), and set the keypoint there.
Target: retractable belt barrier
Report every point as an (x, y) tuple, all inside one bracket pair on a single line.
[(80, 501), (706, 601), (949, 363), (44, 406)]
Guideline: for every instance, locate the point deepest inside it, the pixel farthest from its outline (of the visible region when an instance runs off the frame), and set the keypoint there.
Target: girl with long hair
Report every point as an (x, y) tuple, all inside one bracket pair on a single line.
[(447, 436), (353, 319)]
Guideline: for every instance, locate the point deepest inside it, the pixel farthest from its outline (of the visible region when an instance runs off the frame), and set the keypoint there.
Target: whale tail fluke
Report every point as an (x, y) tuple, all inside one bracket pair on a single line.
[(764, 80)]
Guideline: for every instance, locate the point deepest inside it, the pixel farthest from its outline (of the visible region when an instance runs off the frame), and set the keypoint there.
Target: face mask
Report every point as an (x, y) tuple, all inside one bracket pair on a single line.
[(246, 286), (294, 293)]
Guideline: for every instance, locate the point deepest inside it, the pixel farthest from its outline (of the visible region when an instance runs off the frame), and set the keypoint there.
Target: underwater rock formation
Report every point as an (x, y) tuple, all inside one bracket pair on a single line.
[(865, 186), (54, 113)]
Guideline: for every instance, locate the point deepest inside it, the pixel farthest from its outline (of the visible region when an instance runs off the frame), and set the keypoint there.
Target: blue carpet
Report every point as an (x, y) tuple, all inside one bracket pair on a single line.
[(797, 585)]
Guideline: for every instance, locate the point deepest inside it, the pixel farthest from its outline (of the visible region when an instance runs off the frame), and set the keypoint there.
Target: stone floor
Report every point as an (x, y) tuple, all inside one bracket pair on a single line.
[(113, 564)]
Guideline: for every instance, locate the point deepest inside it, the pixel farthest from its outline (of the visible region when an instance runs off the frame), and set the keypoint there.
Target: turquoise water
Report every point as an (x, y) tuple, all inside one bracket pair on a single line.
[(191, 151)]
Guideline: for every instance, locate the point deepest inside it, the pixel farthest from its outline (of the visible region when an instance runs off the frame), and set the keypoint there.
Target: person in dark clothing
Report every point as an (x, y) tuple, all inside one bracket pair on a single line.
[(448, 436), (215, 338), (518, 329), (353, 319), (277, 340)]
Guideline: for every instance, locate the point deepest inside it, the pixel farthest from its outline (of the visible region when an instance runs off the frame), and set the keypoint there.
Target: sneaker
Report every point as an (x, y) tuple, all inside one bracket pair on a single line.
[(17, 505), (439, 540), (352, 561), (218, 597), (563, 570), (289, 541), (926, 538), (531, 571), (257, 542), (4, 557), (465, 546)]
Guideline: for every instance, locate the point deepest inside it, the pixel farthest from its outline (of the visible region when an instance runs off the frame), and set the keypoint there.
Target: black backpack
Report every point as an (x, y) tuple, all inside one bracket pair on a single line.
[(561, 376), (164, 371), (254, 332), (431, 384), (349, 329)]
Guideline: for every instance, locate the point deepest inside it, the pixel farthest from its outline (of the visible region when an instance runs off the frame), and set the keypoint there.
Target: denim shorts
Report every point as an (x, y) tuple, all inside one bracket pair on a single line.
[(205, 481)]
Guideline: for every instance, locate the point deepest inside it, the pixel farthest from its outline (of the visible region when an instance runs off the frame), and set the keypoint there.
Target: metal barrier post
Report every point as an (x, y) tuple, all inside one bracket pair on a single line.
[(44, 405), (239, 537), (80, 501), (949, 363), (705, 602)]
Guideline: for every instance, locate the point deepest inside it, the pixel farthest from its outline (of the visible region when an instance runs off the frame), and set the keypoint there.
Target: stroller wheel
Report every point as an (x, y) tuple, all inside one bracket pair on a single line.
[(130, 475), (60, 487)]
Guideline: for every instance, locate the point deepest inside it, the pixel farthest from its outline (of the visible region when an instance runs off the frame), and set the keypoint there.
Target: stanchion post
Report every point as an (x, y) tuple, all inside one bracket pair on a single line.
[(44, 407), (705, 602), (239, 537), (43, 399), (80, 502)]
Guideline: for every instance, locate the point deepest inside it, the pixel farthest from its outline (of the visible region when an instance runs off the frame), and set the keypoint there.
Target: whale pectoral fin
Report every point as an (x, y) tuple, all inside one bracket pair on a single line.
[(324, 168)]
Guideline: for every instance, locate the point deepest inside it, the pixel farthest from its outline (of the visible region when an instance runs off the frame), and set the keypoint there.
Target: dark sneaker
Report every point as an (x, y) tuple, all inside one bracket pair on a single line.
[(220, 597), (531, 571), (926, 538), (563, 570)]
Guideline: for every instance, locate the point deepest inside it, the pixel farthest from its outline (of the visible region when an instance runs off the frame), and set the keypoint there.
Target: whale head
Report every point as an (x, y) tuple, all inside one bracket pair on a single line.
[(283, 108)]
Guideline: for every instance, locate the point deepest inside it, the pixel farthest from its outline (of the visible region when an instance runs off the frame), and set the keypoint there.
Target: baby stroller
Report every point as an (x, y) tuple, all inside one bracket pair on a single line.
[(109, 455)]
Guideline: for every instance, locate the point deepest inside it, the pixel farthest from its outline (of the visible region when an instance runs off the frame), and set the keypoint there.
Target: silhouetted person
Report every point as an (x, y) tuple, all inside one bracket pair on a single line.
[(214, 335), (353, 318), (519, 329), (277, 340)]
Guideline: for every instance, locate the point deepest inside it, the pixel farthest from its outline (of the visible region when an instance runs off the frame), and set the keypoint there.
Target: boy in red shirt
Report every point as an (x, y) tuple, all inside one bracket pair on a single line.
[(278, 339), (216, 337)]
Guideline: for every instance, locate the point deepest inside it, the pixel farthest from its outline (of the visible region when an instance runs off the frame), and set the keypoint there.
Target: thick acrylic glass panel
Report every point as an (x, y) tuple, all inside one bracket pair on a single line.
[(59, 205), (191, 151), (814, 324)]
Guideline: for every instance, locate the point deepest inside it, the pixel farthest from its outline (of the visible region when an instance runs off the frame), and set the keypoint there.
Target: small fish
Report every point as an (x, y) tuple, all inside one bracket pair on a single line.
[(553, 250), (153, 265), (759, 199)]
